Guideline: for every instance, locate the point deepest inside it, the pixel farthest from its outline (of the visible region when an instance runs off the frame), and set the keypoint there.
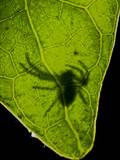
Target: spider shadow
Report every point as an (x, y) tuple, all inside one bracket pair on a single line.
[(67, 79)]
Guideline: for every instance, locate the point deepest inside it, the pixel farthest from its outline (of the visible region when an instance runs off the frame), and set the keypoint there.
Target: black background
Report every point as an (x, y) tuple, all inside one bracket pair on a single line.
[(17, 143)]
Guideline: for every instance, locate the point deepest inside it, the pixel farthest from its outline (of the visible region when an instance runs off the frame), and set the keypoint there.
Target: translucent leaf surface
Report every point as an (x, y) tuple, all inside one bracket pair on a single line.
[(53, 58)]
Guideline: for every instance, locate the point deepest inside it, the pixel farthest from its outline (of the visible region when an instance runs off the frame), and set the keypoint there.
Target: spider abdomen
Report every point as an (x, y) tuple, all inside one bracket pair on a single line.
[(69, 92)]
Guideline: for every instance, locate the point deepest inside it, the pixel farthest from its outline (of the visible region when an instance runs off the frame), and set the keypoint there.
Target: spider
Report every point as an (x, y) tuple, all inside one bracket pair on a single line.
[(70, 83)]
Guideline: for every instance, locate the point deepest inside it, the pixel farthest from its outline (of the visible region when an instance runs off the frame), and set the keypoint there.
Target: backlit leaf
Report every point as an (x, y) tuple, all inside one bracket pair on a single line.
[(53, 58)]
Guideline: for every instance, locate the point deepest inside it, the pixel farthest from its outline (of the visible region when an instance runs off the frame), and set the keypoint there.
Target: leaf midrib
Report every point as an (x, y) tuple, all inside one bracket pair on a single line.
[(49, 70)]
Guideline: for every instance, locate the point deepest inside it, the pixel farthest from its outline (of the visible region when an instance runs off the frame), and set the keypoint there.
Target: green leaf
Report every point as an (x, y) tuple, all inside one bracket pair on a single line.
[(119, 3), (53, 58)]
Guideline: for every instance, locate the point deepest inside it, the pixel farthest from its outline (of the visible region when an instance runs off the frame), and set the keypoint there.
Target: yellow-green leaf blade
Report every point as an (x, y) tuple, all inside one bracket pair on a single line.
[(40, 40)]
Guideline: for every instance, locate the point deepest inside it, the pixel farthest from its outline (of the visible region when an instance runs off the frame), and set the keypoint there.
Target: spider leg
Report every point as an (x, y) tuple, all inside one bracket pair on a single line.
[(82, 97), (75, 68), (84, 74), (50, 107), (83, 65), (27, 69), (43, 88), (84, 78), (35, 70)]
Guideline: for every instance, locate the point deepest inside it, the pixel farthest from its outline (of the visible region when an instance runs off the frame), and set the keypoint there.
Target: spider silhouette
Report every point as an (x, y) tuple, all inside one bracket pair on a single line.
[(70, 83)]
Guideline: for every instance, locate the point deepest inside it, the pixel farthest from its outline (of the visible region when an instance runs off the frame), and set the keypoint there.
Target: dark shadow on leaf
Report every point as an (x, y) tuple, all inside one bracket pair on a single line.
[(34, 70)]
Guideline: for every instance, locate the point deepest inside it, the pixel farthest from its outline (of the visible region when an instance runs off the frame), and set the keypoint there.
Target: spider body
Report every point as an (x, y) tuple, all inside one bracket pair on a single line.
[(68, 93)]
